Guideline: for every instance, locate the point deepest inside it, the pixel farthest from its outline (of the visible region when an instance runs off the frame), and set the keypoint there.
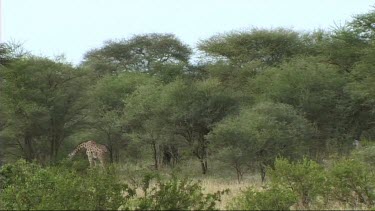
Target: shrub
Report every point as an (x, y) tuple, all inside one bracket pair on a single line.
[(10, 174), (365, 154), (306, 178), (352, 183), (29, 186), (273, 198)]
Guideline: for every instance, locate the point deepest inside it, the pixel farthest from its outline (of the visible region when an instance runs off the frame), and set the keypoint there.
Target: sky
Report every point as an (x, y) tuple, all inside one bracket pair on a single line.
[(73, 27)]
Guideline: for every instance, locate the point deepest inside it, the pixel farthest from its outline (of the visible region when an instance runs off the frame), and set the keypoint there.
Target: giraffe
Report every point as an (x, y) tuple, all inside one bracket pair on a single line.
[(94, 151)]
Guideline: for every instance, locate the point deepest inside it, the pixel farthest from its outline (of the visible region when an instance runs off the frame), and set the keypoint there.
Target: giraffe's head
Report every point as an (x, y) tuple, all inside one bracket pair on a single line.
[(71, 155)]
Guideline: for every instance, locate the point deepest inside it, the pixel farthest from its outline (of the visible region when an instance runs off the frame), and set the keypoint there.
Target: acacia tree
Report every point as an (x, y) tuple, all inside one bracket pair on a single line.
[(142, 53), (106, 111), (362, 94), (314, 88), (159, 55), (257, 135), (346, 45), (343, 48), (362, 76), (363, 25), (181, 110), (147, 120), (270, 47), (194, 108), (41, 103)]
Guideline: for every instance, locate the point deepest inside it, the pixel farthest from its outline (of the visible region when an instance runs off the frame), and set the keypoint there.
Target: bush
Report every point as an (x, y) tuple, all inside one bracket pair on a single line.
[(306, 178), (349, 183), (365, 154), (29, 186), (352, 183), (176, 194), (273, 198), (10, 174)]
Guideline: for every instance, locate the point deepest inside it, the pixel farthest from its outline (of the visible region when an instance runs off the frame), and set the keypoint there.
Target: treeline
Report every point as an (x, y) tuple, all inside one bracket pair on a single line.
[(252, 96)]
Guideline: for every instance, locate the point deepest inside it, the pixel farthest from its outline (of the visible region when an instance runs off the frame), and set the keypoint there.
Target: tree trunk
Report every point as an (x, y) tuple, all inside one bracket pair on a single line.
[(203, 154), (117, 155), (239, 172), (204, 166), (170, 155), (55, 137), (54, 149), (51, 152), (110, 147), (262, 168), (167, 155), (29, 150), (202, 159), (154, 150)]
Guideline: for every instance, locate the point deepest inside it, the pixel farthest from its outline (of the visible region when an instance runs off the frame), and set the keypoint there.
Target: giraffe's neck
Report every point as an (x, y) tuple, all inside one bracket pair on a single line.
[(77, 149)]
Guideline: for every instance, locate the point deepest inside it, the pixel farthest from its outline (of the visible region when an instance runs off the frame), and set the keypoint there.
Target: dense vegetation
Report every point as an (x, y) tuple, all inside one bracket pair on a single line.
[(283, 104)]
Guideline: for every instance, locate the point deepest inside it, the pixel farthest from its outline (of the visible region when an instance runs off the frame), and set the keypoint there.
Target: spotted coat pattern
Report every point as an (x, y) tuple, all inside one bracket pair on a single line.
[(94, 152)]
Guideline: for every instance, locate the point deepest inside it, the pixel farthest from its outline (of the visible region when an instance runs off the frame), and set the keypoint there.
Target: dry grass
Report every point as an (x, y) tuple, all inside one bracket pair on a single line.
[(212, 185)]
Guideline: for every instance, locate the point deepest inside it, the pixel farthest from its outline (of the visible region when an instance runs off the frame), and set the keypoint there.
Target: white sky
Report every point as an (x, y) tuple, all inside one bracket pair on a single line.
[(72, 27)]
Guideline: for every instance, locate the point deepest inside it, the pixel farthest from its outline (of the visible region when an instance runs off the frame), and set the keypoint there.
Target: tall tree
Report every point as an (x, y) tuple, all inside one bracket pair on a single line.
[(147, 120), (141, 53), (363, 25), (194, 109), (362, 93), (41, 101), (270, 47), (106, 111), (312, 87), (257, 135)]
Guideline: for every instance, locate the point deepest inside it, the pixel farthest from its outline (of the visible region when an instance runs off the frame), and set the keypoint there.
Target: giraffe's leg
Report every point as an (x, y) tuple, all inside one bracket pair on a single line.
[(101, 162), (89, 156)]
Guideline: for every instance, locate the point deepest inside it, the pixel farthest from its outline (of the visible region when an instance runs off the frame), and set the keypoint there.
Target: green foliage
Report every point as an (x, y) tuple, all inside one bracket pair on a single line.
[(181, 110), (362, 25), (304, 83), (41, 102), (10, 52), (176, 194), (352, 182), (362, 98), (28, 186), (305, 184), (143, 53), (272, 198), (268, 46), (110, 91), (106, 107), (344, 48), (263, 132), (195, 109), (305, 178), (365, 154), (316, 90), (18, 172)]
